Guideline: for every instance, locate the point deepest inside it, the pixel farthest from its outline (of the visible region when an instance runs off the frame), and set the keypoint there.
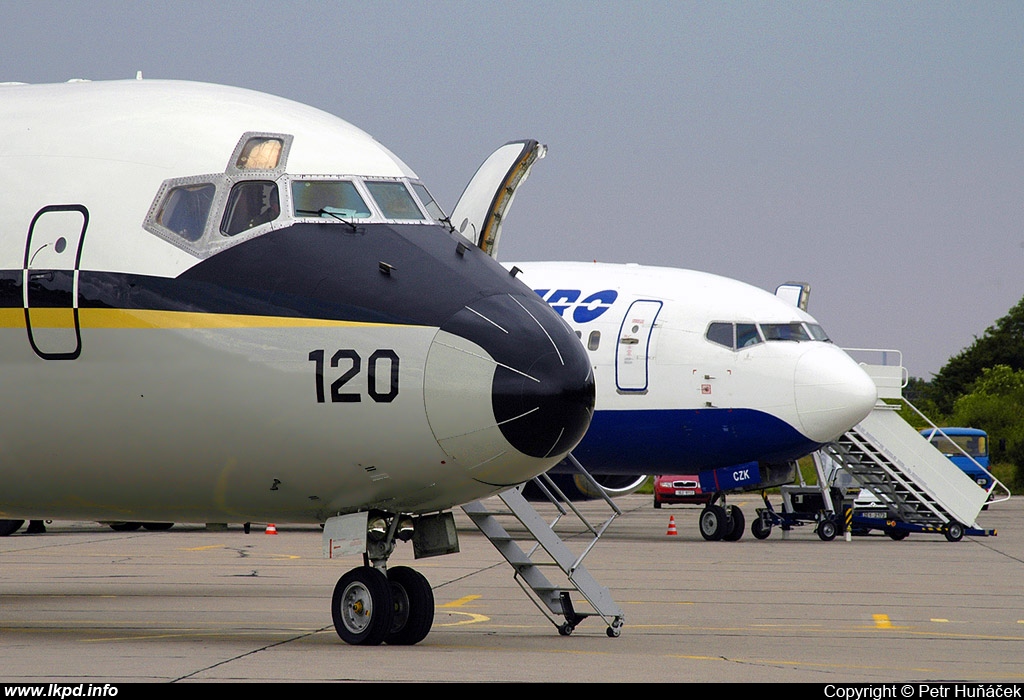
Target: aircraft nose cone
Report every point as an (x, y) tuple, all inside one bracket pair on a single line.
[(833, 393), (543, 389), (506, 366)]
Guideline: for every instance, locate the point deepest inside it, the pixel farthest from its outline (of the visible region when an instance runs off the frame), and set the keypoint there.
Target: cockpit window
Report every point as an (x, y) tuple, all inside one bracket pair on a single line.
[(747, 335), (328, 198), (260, 153), (394, 200), (784, 331), (433, 210), (250, 204), (737, 336), (720, 333), (733, 335), (204, 214), (817, 332), (186, 208)]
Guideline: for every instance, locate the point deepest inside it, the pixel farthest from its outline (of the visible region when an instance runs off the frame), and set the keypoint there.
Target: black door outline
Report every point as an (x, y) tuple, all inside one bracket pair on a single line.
[(73, 355)]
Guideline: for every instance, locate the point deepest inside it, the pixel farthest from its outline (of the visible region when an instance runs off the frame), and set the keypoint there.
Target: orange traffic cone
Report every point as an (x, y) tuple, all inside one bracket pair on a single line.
[(671, 525), (271, 529)]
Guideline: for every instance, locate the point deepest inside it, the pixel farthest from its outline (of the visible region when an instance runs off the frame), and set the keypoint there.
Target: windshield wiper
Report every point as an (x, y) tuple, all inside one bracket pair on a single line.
[(323, 211)]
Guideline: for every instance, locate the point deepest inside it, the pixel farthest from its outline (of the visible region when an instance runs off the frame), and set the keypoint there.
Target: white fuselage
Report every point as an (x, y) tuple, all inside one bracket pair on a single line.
[(671, 400), (167, 354)]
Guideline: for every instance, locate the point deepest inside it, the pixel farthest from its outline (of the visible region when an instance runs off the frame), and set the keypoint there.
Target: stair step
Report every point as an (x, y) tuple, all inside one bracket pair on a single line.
[(547, 551)]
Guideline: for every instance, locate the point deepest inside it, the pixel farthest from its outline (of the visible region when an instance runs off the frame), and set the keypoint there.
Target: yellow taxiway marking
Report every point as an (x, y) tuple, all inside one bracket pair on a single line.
[(458, 603), (472, 619), (882, 622)]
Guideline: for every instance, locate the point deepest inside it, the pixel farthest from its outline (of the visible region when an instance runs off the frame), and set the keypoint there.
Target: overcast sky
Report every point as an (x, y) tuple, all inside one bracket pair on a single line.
[(872, 149)]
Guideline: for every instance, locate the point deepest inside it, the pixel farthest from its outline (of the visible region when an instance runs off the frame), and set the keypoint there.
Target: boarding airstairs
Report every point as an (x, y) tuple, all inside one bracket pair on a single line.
[(530, 544), (919, 488)]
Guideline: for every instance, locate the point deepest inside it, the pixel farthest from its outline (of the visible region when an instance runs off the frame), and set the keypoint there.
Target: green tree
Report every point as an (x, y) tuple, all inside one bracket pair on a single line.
[(1001, 344), (994, 405)]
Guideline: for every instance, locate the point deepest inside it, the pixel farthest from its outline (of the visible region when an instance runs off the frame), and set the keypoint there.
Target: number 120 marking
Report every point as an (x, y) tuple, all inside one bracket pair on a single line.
[(353, 362)]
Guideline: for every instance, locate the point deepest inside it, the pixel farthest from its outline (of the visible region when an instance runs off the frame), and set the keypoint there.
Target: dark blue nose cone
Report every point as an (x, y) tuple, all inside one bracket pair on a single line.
[(543, 387)]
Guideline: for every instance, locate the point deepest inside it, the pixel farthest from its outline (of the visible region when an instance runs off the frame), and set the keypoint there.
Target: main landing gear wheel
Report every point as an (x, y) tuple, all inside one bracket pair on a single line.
[(363, 607), (736, 523), (414, 606), (713, 522), (954, 532)]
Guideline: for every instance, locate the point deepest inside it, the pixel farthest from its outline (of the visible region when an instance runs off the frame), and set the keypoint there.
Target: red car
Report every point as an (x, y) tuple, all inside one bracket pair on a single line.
[(679, 488)]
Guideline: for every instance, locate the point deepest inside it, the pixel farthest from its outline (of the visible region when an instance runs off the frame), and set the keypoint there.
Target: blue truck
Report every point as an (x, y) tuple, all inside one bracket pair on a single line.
[(967, 448)]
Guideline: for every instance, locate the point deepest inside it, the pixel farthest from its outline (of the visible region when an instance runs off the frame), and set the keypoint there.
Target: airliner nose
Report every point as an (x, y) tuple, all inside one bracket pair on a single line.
[(833, 393), (506, 367)]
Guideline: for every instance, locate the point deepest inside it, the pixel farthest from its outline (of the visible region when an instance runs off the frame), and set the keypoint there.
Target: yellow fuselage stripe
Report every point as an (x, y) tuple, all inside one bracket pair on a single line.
[(142, 318)]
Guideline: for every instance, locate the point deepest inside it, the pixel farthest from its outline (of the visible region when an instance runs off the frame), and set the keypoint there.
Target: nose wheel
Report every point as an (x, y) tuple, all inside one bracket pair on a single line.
[(721, 523), (369, 607), (413, 604), (362, 607)]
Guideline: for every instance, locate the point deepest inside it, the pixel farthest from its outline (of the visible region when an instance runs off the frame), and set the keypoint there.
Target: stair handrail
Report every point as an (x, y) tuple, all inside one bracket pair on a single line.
[(599, 530), (890, 379)]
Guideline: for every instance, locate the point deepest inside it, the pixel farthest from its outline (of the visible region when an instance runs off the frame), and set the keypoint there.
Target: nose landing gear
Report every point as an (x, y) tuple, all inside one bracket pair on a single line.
[(373, 604), (721, 522)]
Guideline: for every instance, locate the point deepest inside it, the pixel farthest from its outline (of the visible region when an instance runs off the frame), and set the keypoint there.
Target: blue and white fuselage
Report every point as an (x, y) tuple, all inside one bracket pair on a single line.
[(696, 371)]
